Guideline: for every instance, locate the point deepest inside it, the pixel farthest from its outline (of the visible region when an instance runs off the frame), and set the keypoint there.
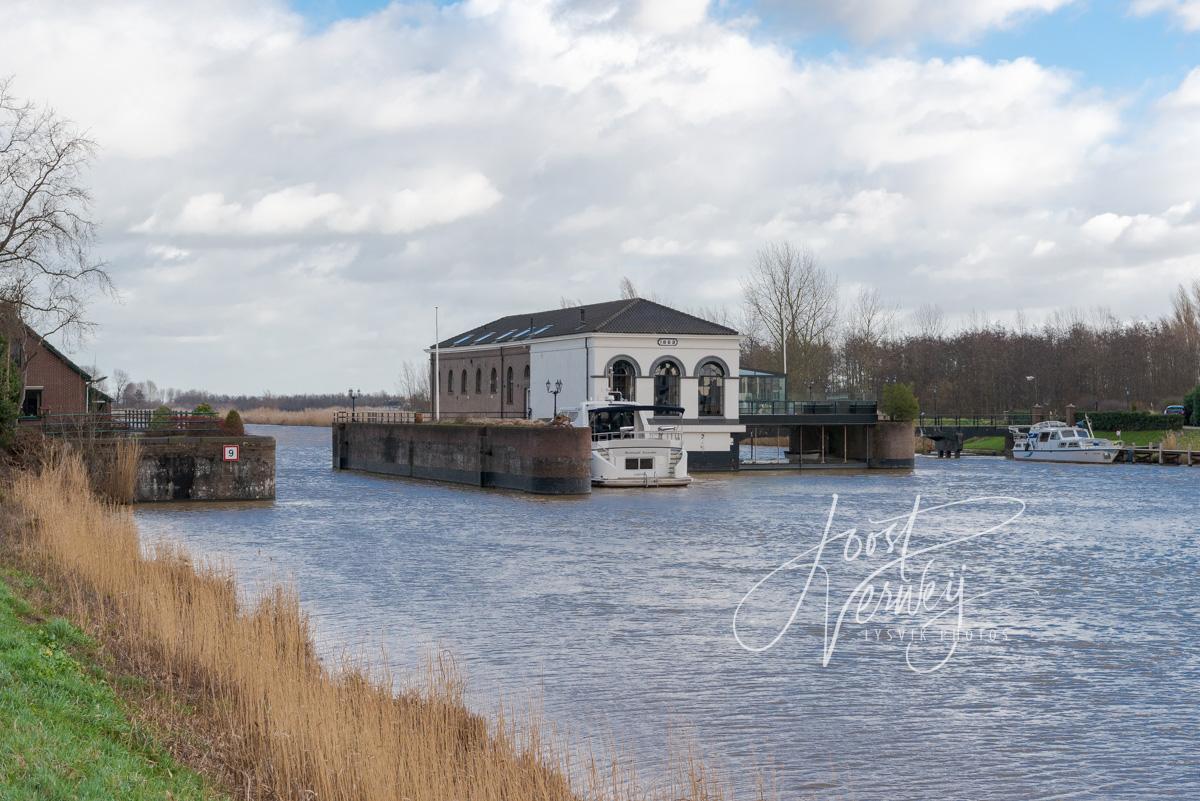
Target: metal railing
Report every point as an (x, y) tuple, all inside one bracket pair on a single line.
[(794, 408), (380, 417), (124, 422), (992, 420), (609, 436)]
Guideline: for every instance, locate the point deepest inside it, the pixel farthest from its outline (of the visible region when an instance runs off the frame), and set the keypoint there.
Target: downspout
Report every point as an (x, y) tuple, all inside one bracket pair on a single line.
[(503, 382), (587, 369)]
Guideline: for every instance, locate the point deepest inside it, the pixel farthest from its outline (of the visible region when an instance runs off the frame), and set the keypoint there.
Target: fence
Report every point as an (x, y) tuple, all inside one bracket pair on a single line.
[(379, 417), (123, 423), (794, 408)]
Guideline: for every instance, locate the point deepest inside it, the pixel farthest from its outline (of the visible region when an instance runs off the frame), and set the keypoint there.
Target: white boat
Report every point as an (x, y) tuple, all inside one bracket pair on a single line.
[(630, 451), (1055, 441)]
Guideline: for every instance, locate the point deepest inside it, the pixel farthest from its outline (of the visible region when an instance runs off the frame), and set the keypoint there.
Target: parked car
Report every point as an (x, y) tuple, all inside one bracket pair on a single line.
[(1176, 409)]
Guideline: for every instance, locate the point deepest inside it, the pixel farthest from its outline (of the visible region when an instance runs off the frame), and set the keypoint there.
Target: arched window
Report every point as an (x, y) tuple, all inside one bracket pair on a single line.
[(492, 385), (463, 383), (450, 382), (478, 380), (666, 384), (712, 390), (622, 379), (527, 375), (508, 386)]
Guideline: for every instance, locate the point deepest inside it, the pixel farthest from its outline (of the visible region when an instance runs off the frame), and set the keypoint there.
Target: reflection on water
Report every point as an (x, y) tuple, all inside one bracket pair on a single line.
[(617, 609)]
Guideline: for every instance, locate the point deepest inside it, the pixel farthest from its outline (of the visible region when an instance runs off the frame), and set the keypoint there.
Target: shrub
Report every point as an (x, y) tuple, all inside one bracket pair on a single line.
[(12, 387), (233, 424), (1191, 403), (161, 419), (899, 402), (1134, 421), (204, 408)]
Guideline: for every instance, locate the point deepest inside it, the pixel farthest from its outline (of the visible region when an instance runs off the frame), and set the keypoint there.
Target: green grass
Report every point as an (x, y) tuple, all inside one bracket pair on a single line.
[(984, 444), (1187, 437), (63, 733), (1143, 438)]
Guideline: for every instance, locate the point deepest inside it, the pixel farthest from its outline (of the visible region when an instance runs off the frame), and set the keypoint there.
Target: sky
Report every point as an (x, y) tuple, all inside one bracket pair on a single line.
[(285, 190)]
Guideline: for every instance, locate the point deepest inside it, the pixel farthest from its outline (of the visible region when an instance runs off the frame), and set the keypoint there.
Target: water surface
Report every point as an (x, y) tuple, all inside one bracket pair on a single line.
[(1079, 682)]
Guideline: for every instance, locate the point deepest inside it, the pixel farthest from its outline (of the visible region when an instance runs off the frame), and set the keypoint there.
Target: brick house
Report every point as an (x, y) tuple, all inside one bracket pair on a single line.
[(53, 383)]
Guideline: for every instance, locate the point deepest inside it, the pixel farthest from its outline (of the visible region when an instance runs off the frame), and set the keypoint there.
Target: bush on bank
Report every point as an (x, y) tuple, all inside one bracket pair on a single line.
[(1134, 421)]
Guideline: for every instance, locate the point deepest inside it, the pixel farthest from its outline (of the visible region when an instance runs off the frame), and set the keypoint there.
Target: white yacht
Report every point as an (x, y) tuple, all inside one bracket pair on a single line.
[(1054, 441), (630, 451)]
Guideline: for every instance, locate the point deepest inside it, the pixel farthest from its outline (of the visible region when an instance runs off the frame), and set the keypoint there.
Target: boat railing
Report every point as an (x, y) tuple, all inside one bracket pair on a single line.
[(609, 436)]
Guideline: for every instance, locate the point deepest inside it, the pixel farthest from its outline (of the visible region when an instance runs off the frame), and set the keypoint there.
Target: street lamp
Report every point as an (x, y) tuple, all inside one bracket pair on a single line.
[(354, 394), (554, 391), (935, 404), (1033, 379)]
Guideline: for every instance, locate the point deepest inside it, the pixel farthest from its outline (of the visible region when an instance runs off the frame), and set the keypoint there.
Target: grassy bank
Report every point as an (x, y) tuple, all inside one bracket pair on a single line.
[(278, 417), (64, 734), (1172, 440), (275, 722)]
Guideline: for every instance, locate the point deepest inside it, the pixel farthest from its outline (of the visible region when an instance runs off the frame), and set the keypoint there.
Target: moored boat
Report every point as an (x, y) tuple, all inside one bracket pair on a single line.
[(628, 450), (1055, 441)]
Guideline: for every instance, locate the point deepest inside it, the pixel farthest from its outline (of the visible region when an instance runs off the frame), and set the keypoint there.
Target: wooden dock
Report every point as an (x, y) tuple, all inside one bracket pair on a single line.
[(1157, 454)]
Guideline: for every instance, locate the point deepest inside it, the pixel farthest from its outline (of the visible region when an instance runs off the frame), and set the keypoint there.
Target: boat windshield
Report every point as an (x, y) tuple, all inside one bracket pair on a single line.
[(611, 421)]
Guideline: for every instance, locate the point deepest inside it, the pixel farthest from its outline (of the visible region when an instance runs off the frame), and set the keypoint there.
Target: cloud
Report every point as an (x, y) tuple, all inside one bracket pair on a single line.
[(303, 209), (316, 193), (1186, 13), (912, 20)]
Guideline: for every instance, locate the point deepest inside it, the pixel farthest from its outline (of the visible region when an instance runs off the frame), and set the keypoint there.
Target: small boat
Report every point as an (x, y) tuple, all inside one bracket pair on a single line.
[(1055, 441), (630, 451)]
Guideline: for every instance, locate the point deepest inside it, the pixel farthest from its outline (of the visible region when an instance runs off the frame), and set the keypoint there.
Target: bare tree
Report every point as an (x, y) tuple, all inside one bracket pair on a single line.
[(46, 268), (414, 384), (628, 290), (120, 380), (569, 303), (929, 321), (793, 302)]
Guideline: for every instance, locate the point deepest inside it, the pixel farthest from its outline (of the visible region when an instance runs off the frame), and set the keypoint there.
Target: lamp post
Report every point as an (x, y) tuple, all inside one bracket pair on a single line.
[(557, 388), (354, 394), (1033, 379), (935, 404)]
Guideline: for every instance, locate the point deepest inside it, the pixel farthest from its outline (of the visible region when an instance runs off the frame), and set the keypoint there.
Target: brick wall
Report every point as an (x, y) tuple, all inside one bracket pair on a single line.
[(63, 389), (483, 401)]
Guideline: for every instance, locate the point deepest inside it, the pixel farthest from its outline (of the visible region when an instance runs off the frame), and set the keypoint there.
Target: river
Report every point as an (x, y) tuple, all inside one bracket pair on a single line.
[(1074, 672)]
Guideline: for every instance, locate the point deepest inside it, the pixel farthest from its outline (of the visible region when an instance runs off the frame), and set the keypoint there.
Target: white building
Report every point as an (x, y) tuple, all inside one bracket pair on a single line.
[(642, 350)]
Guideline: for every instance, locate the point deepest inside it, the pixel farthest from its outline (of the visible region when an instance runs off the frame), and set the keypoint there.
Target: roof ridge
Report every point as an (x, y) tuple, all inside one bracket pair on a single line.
[(632, 302)]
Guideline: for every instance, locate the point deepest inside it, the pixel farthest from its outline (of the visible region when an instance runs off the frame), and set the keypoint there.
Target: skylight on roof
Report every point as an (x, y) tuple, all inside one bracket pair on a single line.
[(506, 336), (542, 329), (483, 337), (461, 340), (523, 333)]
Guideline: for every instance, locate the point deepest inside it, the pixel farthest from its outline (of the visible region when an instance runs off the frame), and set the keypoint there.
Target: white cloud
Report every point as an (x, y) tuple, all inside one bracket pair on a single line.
[(495, 156), (911, 20), (1185, 12)]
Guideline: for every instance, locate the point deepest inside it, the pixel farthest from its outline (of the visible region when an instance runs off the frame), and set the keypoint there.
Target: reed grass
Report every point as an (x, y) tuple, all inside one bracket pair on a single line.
[(290, 726), (264, 415)]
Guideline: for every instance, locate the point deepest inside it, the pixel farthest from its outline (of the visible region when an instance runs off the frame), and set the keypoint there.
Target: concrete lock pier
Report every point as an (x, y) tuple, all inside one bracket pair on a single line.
[(546, 460), (193, 467)]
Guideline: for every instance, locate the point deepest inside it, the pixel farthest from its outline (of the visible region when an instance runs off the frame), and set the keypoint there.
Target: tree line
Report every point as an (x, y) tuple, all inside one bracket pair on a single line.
[(793, 321)]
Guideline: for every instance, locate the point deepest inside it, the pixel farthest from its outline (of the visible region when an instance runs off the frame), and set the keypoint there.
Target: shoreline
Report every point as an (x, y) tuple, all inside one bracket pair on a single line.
[(266, 718)]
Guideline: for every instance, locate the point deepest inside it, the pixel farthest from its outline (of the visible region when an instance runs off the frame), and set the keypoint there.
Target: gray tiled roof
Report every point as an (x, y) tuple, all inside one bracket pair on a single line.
[(636, 316)]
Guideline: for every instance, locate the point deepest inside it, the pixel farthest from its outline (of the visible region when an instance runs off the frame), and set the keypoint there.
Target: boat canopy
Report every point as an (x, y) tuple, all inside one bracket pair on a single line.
[(631, 407)]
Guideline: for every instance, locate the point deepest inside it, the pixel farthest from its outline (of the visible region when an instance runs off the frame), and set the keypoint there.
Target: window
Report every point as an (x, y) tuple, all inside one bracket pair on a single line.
[(666, 384), (622, 380), (478, 380), (712, 390), (508, 386), (492, 385), (463, 383), (450, 382), (639, 464), (32, 405)]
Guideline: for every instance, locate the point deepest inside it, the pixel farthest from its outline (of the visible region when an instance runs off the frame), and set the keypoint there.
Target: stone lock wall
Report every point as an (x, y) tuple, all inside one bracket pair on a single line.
[(540, 459), (892, 445), (192, 468)]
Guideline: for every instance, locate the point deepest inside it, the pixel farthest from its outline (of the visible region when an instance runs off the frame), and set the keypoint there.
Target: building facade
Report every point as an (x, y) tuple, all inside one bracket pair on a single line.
[(636, 350), (53, 383)]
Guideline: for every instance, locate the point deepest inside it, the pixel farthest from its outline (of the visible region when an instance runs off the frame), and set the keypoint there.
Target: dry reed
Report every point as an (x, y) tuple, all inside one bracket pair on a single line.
[(298, 728), (264, 415)]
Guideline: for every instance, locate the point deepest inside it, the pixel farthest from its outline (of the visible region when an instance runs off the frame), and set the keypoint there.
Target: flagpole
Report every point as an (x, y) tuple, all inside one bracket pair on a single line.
[(437, 369)]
